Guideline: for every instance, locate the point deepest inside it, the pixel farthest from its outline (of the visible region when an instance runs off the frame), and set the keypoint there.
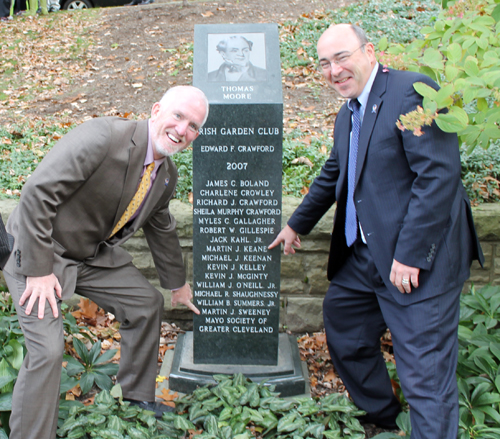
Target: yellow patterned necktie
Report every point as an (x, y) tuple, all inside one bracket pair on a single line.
[(139, 196)]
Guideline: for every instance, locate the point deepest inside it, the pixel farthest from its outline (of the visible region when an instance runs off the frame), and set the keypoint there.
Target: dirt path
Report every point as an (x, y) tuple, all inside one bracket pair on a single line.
[(141, 51)]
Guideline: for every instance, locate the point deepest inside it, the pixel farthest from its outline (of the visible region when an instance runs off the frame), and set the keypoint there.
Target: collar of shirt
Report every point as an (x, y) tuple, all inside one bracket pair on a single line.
[(148, 160), (365, 94), (150, 156)]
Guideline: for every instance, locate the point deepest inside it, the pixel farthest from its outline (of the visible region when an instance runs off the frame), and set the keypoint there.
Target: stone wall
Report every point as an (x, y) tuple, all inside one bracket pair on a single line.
[(303, 275)]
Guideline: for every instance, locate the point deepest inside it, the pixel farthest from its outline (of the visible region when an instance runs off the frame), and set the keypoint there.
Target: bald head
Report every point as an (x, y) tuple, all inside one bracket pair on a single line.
[(347, 59), (185, 92)]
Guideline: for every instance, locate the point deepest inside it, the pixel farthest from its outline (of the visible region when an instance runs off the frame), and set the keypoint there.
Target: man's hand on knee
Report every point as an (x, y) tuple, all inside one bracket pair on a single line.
[(183, 295), (43, 289)]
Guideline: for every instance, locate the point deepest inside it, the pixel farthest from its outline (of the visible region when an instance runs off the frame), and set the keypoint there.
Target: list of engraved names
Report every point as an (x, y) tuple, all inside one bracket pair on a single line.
[(237, 213)]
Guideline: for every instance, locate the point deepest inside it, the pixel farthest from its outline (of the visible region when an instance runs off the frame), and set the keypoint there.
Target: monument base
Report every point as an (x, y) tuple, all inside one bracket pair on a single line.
[(290, 375)]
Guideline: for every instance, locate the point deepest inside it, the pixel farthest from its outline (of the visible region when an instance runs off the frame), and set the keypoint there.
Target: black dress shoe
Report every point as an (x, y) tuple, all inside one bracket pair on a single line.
[(157, 407), (146, 2), (133, 3), (386, 424)]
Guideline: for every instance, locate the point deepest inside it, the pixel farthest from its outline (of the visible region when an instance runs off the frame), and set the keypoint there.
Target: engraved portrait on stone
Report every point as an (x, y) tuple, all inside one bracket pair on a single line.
[(243, 57)]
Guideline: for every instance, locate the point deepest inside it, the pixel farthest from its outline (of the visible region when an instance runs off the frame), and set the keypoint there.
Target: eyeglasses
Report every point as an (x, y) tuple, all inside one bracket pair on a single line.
[(341, 60)]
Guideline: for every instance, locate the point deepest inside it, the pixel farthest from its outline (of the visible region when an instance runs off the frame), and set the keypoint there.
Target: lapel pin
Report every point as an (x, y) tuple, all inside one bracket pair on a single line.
[(166, 181), (374, 108), (385, 69)]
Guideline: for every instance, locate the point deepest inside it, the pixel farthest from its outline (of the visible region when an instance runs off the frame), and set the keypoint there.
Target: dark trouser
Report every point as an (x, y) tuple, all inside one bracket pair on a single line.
[(357, 310), (4, 8), (136, 305)]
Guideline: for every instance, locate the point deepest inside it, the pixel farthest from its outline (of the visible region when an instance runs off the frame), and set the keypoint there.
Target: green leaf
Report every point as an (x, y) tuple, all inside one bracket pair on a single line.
[(429, 72), (102, 381), (469, 94), (478, 415), (382, 44), (104, 398), (67, 383), (471, 67), (482, 104), (460, 114), (314, 429), (73, 366), (181, 423), (429, 105), (116, 391), (492, 132), (6, 402), (288, 423), (482, 42), (496, 13), (3, 434), (433, 58), (94, 352), (116, 423), (78, 433), (495, 349), (449, 123), (225, 414), (81, 350), (454, 52), (108, 355), (451, 72), (87, 381), (425, 90), (107, 369), (96, 419), (4, 380), (17, 356), (335, 434)]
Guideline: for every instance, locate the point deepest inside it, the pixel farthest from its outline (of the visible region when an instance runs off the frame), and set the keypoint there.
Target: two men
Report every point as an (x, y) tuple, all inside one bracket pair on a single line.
[(402, 243), (97, 186)]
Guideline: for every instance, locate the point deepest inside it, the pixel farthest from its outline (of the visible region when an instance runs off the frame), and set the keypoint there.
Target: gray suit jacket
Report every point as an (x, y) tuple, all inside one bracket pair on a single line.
[(77, 194), (409, 197)]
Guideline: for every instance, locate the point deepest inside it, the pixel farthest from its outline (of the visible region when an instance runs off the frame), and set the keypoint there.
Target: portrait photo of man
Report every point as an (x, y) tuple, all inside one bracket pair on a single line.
[(236, 52)]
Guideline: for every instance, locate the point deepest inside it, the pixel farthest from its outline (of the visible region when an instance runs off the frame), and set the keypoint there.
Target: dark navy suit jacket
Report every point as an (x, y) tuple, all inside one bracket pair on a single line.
[(409, 196)]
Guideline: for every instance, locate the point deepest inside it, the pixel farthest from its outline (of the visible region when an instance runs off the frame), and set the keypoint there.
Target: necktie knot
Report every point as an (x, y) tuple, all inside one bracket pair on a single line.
[(355, 105)]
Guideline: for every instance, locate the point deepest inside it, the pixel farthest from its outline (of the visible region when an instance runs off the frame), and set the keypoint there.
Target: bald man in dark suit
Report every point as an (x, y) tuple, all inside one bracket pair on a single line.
[(402, 242), (74, 213)]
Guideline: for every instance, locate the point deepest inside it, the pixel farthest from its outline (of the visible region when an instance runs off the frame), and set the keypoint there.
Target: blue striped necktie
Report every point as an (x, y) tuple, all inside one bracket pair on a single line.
[(351, 221)]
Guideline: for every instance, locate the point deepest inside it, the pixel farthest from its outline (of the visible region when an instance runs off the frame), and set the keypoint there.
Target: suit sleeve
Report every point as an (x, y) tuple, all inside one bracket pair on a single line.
[(64, 169), (434, 159), (161, 235)]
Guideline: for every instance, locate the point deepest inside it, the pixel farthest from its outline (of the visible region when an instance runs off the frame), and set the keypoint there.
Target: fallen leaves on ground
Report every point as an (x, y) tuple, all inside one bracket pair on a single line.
[(322, 376), (42, 57), (168, 398)]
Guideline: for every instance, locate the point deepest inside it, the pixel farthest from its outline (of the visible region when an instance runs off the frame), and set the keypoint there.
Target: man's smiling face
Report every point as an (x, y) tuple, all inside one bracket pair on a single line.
[(337, 43), (176, 121)]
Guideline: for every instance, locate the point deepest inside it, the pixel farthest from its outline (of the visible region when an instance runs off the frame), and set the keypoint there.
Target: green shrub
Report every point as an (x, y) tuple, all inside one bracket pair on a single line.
[(461, 52), (93, 368), (398, 21), (107, 418), (478, 368), (12, 351), (481, 174)]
